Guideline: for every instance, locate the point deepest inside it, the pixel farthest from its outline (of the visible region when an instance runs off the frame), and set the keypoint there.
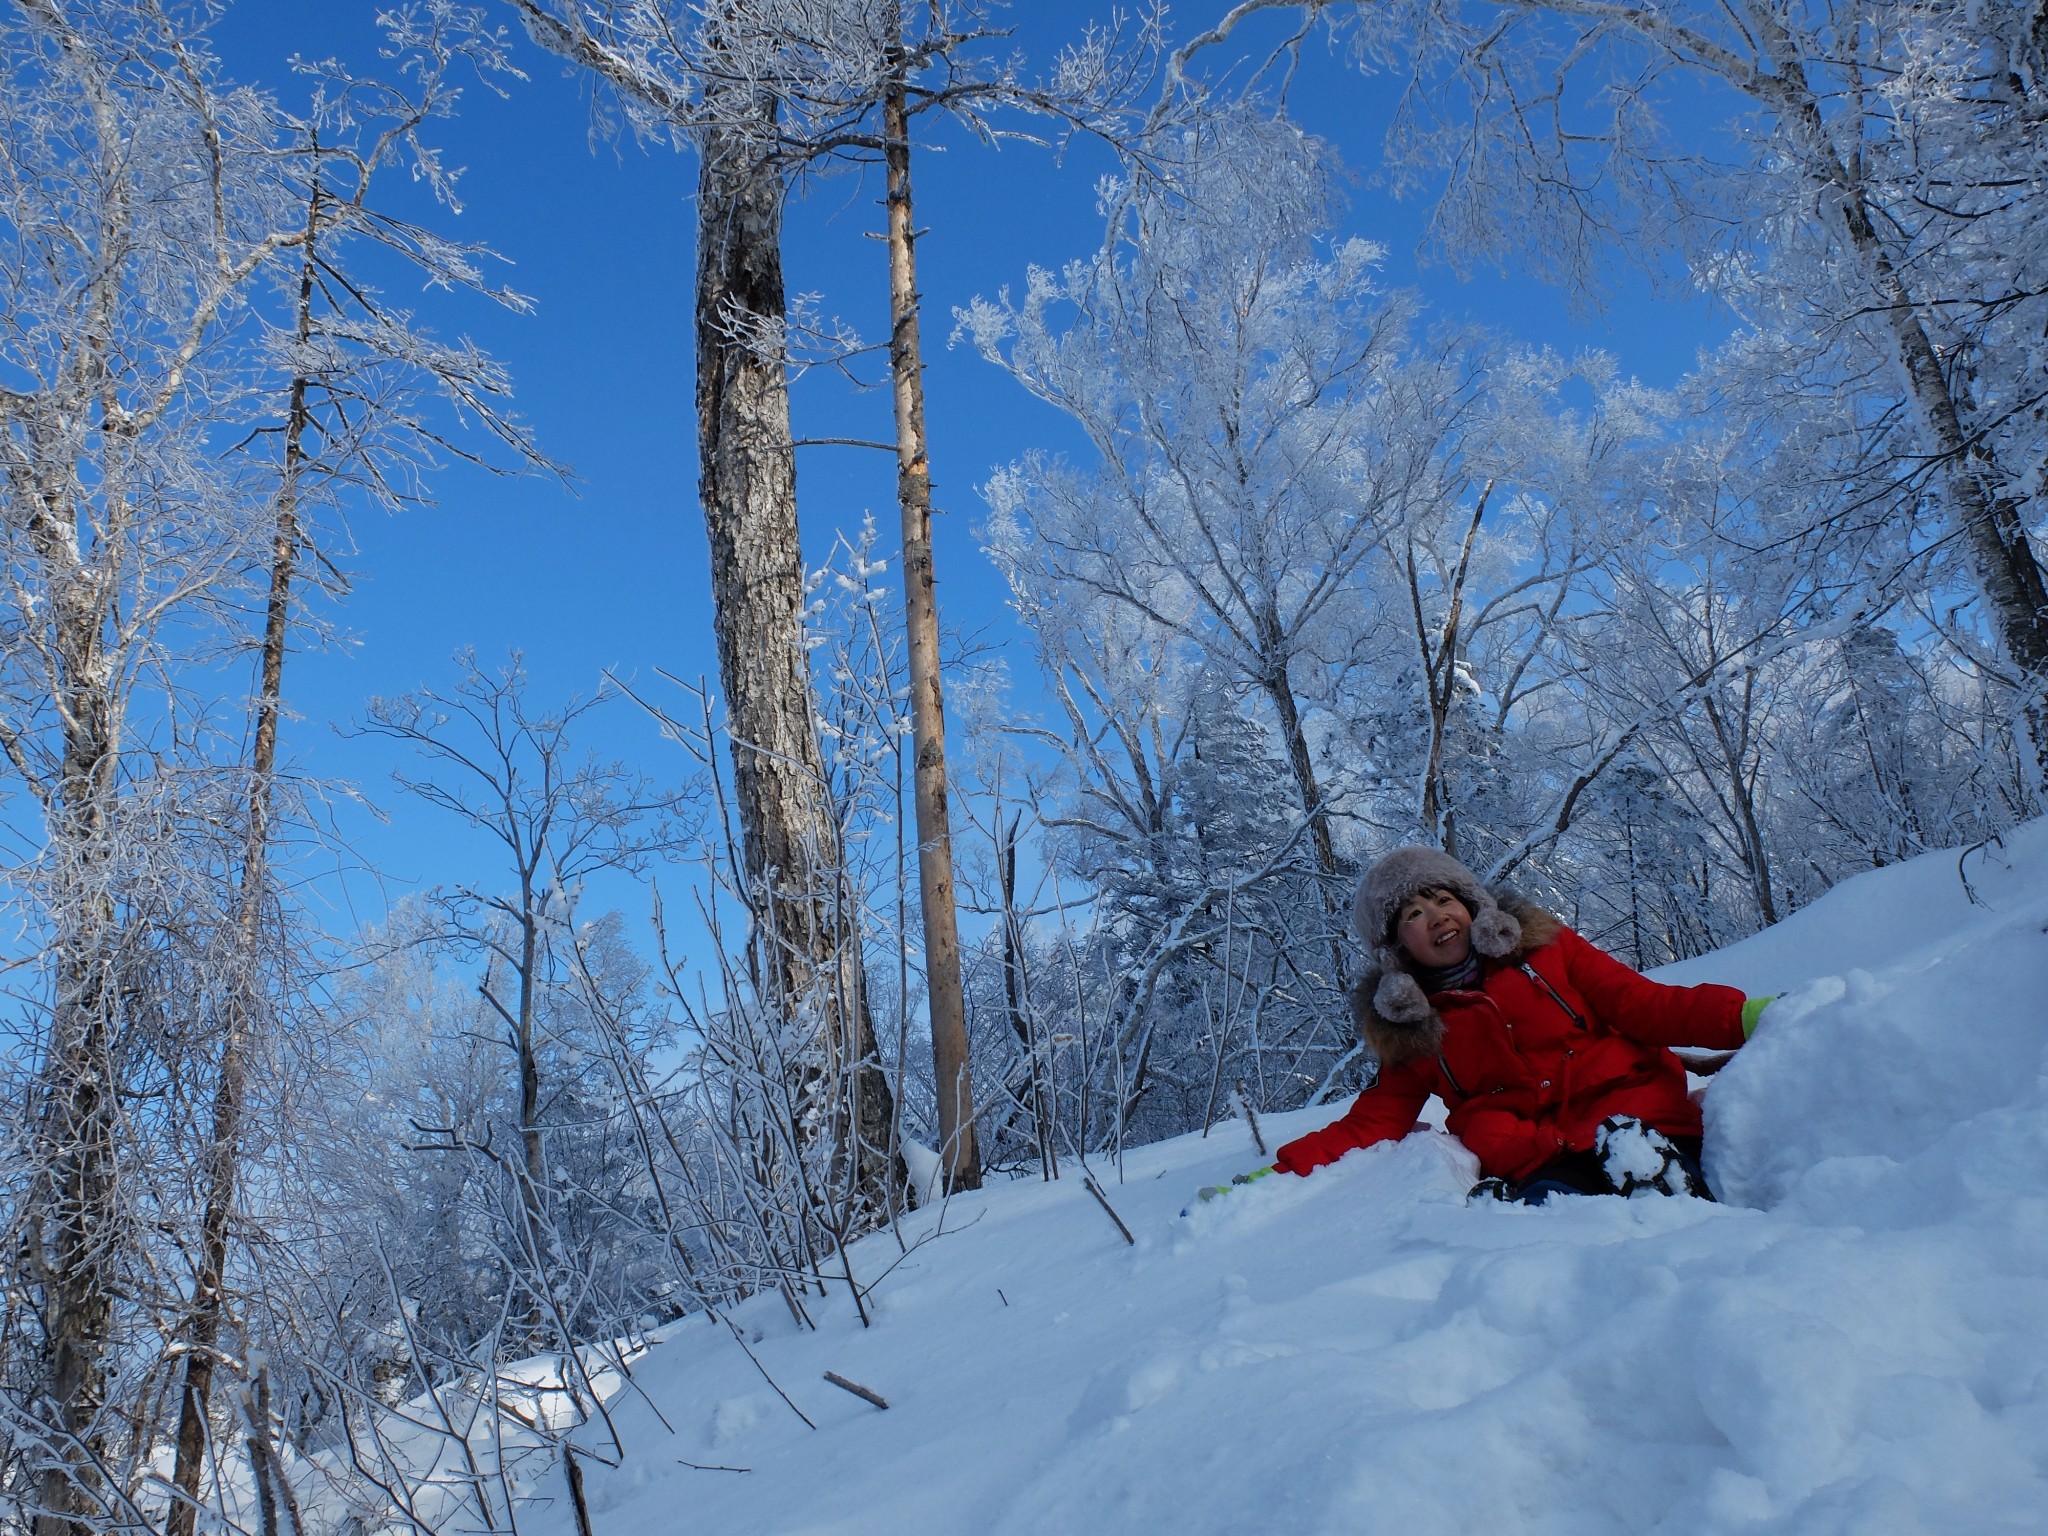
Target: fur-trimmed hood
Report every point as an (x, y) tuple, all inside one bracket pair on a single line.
[(1388, 1006)]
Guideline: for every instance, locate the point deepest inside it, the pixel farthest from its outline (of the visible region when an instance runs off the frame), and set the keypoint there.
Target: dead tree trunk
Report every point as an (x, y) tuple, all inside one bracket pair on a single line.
[(532, 1144), (1016, 995), (790, 842), (244, 1000), (952, 1072)]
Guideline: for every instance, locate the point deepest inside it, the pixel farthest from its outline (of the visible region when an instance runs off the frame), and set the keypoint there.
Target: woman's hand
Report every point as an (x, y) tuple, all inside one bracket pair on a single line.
[(1753, 1014)]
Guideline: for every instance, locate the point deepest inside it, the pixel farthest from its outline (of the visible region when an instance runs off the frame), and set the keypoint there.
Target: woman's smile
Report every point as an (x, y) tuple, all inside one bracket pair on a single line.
[(1435, 929)]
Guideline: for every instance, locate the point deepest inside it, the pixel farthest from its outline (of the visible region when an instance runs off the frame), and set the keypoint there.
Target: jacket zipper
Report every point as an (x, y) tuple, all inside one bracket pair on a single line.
[(1564, 1090), (1537, 976)]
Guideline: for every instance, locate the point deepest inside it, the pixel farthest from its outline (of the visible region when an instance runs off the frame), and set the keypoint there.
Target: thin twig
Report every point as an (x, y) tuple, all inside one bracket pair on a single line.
[(856, 1389), (1251, 1119), (1088, 1183)]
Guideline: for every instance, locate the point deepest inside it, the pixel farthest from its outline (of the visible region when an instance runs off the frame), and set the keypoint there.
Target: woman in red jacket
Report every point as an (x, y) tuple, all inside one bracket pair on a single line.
[(1551, 1055)]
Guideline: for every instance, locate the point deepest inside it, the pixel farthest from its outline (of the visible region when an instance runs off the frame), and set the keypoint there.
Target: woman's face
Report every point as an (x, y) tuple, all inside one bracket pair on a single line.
[(1435, 929)]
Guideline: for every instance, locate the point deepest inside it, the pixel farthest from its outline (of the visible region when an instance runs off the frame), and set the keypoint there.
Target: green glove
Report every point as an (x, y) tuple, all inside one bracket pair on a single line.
[(1240, 1178), (1752, 1011)]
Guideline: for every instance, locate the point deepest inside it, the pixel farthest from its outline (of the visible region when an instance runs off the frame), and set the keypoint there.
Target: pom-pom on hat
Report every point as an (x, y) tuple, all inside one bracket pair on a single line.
[(1386, 889)]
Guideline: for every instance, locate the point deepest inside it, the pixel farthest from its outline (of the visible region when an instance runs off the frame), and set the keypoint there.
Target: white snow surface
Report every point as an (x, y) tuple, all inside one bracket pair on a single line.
[(1857, 1342)]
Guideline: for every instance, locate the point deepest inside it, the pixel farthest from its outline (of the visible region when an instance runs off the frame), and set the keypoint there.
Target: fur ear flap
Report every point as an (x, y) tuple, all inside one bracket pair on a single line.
[(1361, 1004), (1495, 933), (1399, 999)]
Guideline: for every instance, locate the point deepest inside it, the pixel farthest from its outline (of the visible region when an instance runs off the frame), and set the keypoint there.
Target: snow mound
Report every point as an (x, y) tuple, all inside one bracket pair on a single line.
[(1852, 1345), (1910, 1024)]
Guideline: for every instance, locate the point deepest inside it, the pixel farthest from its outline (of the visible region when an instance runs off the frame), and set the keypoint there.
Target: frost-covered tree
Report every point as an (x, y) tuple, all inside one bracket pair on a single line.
[(197, 375), (138, 210), (1382, 540), (1865, 177), (353, 387), (1233, 379)]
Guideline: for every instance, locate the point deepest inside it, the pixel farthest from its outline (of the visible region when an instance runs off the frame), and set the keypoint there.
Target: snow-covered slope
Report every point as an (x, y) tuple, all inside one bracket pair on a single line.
[(1860, 1346)]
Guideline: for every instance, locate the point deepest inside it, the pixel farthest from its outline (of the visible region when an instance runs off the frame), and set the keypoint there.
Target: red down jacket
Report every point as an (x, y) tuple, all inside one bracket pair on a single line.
[(1529, 1071)]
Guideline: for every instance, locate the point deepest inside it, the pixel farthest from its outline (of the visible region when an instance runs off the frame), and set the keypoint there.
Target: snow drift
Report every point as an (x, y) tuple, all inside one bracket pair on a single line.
[(1854, 1343)]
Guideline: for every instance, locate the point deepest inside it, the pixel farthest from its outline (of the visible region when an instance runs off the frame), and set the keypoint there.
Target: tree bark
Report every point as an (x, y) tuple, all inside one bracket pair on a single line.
[(945, 999), (1281, 691), (790, 843)]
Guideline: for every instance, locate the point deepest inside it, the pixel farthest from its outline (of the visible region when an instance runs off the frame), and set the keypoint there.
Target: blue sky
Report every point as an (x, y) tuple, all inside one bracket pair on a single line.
[(612, 574)]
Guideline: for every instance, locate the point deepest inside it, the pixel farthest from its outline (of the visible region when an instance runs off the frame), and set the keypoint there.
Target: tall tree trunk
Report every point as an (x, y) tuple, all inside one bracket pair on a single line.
[(796, 886), (790, 842), (244, 1002), (1742, 801), (961, 1157), (77, 1246), (77, 1226), (80, 1245), (1281, 691)]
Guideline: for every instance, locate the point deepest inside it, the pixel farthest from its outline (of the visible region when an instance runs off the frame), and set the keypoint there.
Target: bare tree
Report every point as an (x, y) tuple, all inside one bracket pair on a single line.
[(140, 209), (351, 422), (957, 1149), (507, 770)]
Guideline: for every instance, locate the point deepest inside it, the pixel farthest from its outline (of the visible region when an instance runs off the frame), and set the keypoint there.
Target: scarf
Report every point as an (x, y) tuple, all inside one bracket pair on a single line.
[(1462, 977)]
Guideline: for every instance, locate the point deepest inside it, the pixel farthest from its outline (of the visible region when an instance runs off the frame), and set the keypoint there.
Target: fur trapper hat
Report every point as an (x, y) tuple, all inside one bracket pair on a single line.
[(1385, 890)]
